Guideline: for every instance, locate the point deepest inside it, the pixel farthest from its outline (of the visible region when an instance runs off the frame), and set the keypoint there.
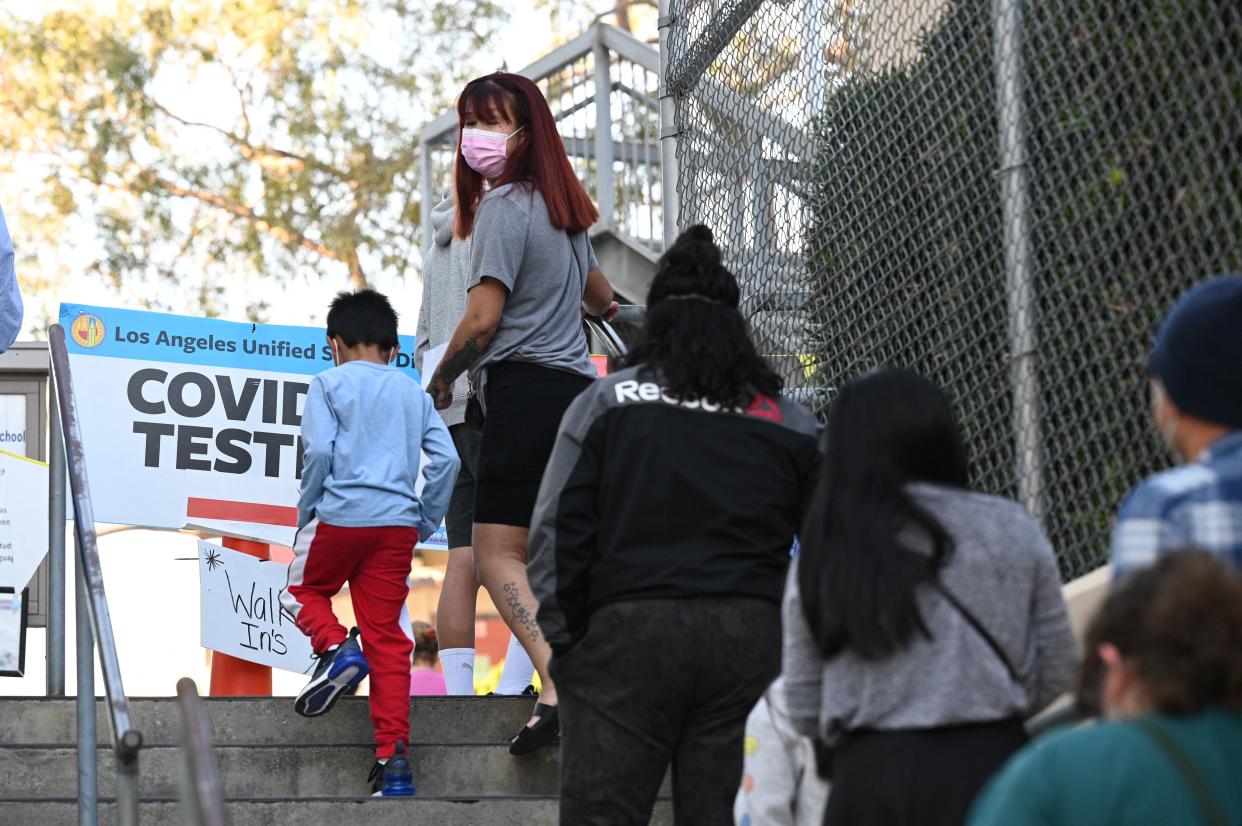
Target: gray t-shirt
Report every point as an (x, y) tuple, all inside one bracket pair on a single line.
[(544, 269)]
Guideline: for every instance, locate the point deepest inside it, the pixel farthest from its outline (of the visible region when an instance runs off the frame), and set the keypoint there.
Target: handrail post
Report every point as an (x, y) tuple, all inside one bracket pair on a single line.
[(93, 622), (88, 740), (605, 193), (55, 548), (202, 797), (126, 787)]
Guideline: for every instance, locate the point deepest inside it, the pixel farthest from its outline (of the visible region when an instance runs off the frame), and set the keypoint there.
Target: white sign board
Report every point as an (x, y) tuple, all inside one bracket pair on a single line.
[(241, 611), (192, 422), (23, 518), (13, 436)]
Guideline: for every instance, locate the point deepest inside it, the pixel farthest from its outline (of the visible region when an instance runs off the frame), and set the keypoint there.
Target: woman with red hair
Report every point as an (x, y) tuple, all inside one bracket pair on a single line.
[(532, 275)]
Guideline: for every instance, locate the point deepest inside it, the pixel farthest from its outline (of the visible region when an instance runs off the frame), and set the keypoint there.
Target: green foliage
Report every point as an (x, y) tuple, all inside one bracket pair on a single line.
[(259, 136), (1136, 187)]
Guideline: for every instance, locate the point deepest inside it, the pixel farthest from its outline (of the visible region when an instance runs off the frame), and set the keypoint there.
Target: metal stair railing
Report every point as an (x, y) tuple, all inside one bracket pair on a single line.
[(606, 335), (92, 602), (202, 796)]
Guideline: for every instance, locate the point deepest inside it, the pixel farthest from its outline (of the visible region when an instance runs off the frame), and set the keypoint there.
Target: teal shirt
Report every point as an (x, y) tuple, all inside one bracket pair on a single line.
[(1113, 773)]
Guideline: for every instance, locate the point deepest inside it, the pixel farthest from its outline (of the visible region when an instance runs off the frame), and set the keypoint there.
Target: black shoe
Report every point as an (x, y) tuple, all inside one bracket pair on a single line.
[(339, 671), (392, 778), (529, 691), (543, 733)]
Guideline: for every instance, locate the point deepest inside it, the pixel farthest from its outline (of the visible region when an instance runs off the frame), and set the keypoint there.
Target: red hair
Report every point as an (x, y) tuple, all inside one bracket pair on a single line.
[(539, 159)]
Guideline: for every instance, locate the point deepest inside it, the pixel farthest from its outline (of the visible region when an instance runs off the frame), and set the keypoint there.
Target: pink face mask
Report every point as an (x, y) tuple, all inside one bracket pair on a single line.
[(485, 152)]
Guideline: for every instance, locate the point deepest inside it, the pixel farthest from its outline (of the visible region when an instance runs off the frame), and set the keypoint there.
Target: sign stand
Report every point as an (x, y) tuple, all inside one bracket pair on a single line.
[(231, 676)]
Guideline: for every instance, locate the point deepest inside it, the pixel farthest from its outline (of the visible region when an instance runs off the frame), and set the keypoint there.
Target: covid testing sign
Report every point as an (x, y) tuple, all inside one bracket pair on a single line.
[(195, 423)]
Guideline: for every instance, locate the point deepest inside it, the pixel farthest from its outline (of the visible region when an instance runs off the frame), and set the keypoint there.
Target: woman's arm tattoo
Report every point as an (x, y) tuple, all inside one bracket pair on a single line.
[(460, 361)]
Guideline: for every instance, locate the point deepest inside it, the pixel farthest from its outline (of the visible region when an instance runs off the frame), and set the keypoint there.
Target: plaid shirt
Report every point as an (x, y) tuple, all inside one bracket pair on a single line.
[(1197, 505)]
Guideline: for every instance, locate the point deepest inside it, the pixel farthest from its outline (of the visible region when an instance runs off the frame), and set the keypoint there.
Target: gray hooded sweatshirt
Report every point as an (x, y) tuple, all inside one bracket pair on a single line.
[(446, 266)]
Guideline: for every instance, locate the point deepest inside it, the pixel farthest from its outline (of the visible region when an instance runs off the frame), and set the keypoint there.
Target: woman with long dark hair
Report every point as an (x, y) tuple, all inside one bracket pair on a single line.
[(658, 552), (532, 275), (923, 619)]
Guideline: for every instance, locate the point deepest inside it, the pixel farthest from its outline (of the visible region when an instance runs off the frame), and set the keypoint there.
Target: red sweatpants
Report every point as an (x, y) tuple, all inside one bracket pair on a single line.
[(376, 564)]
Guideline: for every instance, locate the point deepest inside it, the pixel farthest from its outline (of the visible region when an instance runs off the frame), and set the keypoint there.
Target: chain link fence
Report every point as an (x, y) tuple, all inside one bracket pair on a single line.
[(1004, 196)]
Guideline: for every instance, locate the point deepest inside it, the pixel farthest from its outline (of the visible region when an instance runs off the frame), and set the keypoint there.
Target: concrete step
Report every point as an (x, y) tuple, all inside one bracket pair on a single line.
[(291, 771), (535, 811), (271, 721)]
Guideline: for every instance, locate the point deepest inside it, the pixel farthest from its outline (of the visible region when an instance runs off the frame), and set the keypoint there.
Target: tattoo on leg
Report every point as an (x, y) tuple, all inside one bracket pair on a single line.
[(518, 611)]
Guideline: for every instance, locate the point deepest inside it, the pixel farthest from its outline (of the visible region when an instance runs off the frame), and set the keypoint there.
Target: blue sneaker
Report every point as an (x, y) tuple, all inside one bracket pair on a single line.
[(339, 671), (393, 777)]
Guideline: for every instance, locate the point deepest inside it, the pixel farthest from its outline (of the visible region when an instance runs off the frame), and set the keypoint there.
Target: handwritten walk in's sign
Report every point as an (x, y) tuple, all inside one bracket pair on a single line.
[(23, 519), (241, 612), (192, 422)]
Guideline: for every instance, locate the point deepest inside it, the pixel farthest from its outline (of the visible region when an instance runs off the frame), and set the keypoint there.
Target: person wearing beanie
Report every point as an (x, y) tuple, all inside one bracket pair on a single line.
[(658, 551), (1196, 385)]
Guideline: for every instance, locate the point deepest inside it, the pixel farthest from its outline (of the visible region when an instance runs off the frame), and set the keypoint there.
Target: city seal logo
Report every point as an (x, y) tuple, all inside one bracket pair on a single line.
[(87, 330)]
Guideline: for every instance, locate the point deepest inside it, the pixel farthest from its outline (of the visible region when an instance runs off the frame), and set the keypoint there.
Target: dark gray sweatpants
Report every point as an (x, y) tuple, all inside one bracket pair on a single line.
[(656, 682)]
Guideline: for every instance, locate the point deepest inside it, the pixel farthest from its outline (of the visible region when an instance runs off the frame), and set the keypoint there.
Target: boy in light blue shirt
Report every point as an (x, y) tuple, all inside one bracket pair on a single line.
[(365, 427)]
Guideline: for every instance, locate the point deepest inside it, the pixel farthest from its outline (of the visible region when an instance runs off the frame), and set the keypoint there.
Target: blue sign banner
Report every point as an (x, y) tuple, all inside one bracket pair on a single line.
[(196, 422), (135, 334)]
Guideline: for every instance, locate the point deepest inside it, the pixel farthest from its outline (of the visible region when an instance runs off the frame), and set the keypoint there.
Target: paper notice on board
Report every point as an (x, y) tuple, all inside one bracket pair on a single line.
[(23, 518), (431, 360), (11, 637)]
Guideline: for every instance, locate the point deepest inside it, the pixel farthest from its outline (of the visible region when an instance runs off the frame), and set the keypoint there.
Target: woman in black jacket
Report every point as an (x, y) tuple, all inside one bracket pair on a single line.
[(658, 550)]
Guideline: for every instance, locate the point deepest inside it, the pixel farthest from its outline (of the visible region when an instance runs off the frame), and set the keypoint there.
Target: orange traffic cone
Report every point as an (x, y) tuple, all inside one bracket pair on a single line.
[(233, 677)]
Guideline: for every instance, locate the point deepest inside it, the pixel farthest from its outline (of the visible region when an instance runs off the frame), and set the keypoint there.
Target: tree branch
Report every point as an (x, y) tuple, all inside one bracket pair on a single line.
[(287, 236), (252, 152), (242, 90), (138, 178)]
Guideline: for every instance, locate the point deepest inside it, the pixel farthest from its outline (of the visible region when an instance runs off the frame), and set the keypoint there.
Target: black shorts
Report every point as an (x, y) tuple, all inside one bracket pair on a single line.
[(460, 515), (524, 405)]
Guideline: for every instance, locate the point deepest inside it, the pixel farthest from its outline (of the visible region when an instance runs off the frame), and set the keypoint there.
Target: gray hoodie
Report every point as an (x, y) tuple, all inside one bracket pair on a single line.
[(446, 266)]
